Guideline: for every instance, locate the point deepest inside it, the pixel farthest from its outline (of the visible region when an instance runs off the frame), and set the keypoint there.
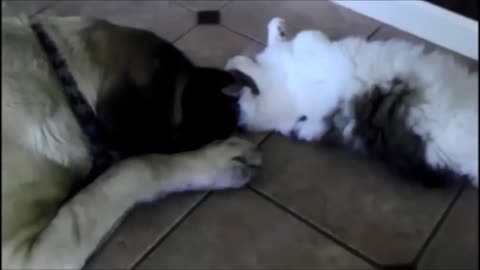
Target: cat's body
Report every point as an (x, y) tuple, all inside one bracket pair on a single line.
[(417, 111)]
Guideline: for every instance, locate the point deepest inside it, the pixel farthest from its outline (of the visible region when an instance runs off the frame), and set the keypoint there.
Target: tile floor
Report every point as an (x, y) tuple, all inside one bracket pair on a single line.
[(310, 207)]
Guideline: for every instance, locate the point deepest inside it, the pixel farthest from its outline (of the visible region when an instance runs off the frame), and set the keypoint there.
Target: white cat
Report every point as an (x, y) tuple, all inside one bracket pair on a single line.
[(416, 111)]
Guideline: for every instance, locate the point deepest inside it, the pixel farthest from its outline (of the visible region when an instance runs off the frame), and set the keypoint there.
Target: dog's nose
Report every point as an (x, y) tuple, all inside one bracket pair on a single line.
[(241, 128)]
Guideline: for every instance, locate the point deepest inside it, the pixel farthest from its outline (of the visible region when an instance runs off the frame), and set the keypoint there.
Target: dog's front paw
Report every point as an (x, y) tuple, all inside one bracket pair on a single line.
[(232, 163)]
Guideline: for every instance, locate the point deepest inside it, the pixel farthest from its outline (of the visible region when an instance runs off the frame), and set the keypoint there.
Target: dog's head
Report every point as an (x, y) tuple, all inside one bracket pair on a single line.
[(206, 113), (166, 104)]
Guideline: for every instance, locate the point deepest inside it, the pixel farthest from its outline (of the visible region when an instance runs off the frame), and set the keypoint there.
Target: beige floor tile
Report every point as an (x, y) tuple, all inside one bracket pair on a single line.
[(251, 18), (141, 228), (213, 45), (364, 205), (166, 19), (456, 244), (240, 230), (12, 8)]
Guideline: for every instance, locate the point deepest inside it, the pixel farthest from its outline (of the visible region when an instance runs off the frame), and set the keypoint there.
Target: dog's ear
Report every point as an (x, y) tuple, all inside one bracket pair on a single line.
[(241, 80), (233, 90)]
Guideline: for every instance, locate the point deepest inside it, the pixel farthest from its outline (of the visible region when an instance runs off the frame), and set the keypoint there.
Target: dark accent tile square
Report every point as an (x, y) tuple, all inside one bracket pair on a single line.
[(208, 17)]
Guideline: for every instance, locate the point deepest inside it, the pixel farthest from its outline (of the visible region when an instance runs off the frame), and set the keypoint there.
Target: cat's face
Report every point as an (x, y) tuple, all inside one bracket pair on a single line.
[(263, 105)]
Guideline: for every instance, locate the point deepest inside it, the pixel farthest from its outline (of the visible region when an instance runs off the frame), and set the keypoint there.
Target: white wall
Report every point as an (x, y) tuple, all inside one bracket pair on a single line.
[(427, 21)]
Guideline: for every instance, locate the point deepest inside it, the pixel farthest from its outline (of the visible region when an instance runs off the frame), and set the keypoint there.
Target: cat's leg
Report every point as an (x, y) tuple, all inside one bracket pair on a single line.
[(276, 31), (80, 224), (309, 130), (243, 64)]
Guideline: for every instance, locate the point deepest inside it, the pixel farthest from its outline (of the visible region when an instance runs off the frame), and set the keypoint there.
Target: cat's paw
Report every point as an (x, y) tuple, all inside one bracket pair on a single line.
[(277, 30), (308, 130), (231, 163), (238, 62)]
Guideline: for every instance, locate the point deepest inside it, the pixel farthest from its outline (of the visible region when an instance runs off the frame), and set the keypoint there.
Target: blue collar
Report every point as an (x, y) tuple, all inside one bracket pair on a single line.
[(102, 157)]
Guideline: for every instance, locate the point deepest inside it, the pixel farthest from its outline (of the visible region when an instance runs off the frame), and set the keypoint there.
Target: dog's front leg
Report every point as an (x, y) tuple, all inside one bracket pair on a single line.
[(80, 225)]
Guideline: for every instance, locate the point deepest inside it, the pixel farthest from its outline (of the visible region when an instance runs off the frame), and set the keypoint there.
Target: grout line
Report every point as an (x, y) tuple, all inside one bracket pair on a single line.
[(264, 139), (438, 225), (313, 226), (170, 230), (182, 5), (36, 13), (176, 224), (224, 5), (242, 34), (184, 33), (375, 31)]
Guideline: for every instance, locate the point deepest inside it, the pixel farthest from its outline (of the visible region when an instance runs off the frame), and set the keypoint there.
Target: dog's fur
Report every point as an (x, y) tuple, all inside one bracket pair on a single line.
[(151, 99), (416, 111)]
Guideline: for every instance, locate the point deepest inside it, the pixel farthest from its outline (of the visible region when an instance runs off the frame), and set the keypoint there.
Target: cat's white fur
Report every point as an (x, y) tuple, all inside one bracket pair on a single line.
[(44, 151), (310, 74)]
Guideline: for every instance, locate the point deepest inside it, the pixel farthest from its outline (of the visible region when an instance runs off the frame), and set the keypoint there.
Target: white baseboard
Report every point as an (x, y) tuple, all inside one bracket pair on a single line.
[(425, 20)]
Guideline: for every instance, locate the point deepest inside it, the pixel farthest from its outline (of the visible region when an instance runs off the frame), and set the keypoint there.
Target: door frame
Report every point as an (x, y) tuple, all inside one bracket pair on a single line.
[(425, 20)]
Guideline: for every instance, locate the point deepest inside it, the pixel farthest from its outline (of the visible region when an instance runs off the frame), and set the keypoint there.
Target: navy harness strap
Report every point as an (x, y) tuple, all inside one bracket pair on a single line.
[(91, 127)]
